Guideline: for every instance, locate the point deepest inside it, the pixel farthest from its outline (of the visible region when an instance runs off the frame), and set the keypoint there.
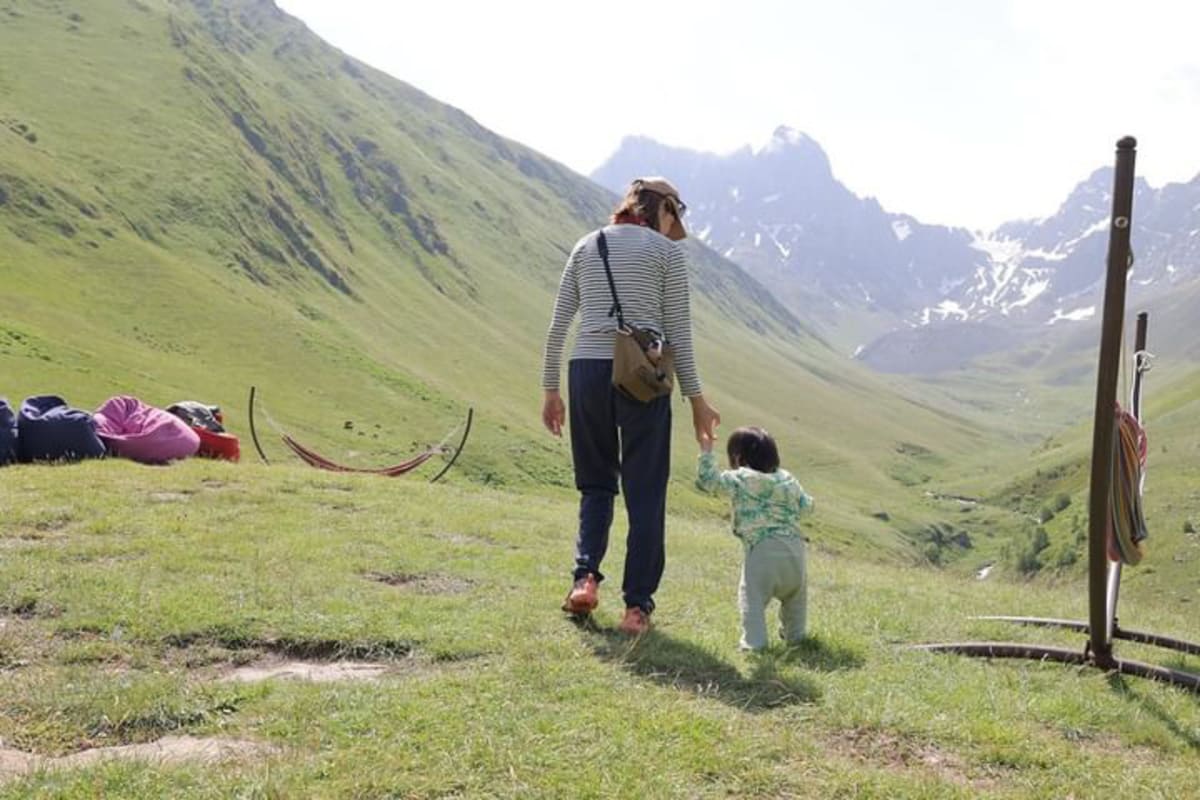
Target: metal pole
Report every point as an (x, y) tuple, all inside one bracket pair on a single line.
[(1139, 347), (1106, 395)]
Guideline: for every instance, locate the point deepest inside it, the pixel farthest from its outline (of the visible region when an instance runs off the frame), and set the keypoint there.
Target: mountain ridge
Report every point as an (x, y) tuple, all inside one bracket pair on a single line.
[(865, 274)]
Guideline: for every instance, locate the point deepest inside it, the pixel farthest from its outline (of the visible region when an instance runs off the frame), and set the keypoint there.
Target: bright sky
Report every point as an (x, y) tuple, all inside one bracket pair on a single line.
[(963, 112)]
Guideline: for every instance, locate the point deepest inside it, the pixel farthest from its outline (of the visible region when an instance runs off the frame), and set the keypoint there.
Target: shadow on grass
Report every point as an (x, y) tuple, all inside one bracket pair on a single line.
[(817, 654), (1127, 691), (688, 667), (315, 649)]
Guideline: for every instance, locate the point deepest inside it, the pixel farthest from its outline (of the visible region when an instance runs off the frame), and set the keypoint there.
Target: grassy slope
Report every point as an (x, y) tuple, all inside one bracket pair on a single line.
[(215, 198), (136, 157), (1171, 502), (136, 594)]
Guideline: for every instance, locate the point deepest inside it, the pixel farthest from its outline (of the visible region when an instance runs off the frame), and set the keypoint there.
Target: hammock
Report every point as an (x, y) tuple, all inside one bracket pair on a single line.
[(1126, 523), (315, 459)]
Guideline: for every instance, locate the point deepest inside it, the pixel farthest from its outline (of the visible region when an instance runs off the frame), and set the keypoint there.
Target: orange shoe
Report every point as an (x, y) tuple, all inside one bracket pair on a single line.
[(583, 597), (635, 622)]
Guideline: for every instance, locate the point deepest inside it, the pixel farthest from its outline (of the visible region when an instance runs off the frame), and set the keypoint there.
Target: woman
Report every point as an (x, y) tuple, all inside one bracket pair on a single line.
[(614, 437)]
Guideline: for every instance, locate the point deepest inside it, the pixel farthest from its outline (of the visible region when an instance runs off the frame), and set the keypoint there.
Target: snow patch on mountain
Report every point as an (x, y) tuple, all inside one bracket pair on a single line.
[(947, 309), (1097, 226), (902, 229), (1013, 277), (1029, 292), (783, 251), (1078, 315), (1047, 255)]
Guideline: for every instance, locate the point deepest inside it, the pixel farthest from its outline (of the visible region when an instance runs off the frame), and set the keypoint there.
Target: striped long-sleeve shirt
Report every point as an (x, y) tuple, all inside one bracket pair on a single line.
[(650, 272)]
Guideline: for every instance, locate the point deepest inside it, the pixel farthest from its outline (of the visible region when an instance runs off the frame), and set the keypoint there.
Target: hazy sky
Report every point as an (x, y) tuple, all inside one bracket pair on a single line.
[(965, 112)]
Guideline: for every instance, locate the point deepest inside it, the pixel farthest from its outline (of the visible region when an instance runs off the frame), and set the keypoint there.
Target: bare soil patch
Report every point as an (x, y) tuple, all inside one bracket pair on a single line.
[(900, 753), (315, 671), (465, 539), (30, 608), (168, 750), (422, 583), (27, 536), (1110, 746), (169, 497)]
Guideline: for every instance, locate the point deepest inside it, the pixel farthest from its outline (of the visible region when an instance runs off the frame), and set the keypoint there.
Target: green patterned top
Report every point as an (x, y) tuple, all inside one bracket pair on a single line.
[(765, 504)]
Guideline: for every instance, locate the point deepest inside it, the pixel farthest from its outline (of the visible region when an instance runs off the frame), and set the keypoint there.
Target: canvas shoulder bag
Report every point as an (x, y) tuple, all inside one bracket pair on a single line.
[(643, 364)]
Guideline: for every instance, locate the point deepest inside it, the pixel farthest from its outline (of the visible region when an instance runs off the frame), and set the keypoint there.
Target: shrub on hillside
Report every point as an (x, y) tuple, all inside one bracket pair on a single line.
[(941, 541), (1025, 553)]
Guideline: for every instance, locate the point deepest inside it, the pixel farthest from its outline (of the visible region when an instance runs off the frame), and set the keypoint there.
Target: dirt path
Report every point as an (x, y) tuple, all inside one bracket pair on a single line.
[(168, 750), (325, 671)]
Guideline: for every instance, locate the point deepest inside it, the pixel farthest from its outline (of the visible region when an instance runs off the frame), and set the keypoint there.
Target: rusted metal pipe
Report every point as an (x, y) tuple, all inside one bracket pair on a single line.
[(1142, 637), (1062, 655)]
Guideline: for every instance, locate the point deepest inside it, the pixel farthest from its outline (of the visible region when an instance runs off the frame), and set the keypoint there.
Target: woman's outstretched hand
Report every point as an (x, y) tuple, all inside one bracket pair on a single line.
[(554, 412), (705, 420)]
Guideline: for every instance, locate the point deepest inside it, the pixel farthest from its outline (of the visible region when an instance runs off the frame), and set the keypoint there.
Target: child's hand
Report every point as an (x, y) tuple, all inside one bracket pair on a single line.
[(706, 443)]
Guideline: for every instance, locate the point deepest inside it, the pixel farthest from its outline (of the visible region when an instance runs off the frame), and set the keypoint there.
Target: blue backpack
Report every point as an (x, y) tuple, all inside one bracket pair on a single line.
[(8, 433), (49, 430)]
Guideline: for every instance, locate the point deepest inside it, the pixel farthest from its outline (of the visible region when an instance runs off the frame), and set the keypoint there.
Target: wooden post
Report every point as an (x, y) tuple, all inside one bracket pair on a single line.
[(1100, 639)]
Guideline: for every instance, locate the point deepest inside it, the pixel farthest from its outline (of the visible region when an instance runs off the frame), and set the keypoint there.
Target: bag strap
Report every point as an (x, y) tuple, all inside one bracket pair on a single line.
[(615, 310)]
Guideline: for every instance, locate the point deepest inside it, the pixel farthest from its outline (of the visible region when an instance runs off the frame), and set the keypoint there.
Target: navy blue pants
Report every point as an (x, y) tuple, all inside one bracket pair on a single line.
[(615, 439)]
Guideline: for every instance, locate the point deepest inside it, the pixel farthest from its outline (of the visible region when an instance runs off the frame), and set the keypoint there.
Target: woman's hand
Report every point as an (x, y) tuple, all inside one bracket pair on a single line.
[(705, 420), (554, 412)]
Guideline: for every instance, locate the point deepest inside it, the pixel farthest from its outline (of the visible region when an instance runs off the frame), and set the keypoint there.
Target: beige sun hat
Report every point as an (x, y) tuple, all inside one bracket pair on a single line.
[(662, 186)]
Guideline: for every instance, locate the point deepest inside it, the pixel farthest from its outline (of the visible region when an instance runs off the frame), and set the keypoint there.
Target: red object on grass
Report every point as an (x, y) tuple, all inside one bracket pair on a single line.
[(218, 445)]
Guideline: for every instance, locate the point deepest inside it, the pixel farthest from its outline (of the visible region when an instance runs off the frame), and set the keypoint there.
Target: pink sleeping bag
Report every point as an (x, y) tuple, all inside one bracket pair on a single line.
[(134, 430)]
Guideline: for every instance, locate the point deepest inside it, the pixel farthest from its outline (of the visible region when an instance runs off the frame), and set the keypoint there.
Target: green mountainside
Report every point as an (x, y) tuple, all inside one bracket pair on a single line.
[(198, 196)]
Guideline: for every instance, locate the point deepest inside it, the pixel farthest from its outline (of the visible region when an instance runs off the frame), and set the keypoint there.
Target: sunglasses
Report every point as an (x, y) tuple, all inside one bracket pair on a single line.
[(676, 206)]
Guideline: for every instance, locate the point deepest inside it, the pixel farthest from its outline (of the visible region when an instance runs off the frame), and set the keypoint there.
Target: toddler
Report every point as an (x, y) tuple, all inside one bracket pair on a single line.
[(767, 504)]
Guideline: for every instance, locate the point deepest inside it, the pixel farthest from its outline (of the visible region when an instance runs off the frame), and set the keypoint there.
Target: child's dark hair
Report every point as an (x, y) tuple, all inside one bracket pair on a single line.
[(754, 448)]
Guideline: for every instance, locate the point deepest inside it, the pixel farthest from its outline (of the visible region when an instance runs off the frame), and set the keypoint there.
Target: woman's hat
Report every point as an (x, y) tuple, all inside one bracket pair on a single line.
[(664, 187)]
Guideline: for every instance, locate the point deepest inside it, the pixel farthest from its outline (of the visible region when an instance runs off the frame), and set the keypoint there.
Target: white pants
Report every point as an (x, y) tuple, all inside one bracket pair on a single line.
[(774, 568)]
